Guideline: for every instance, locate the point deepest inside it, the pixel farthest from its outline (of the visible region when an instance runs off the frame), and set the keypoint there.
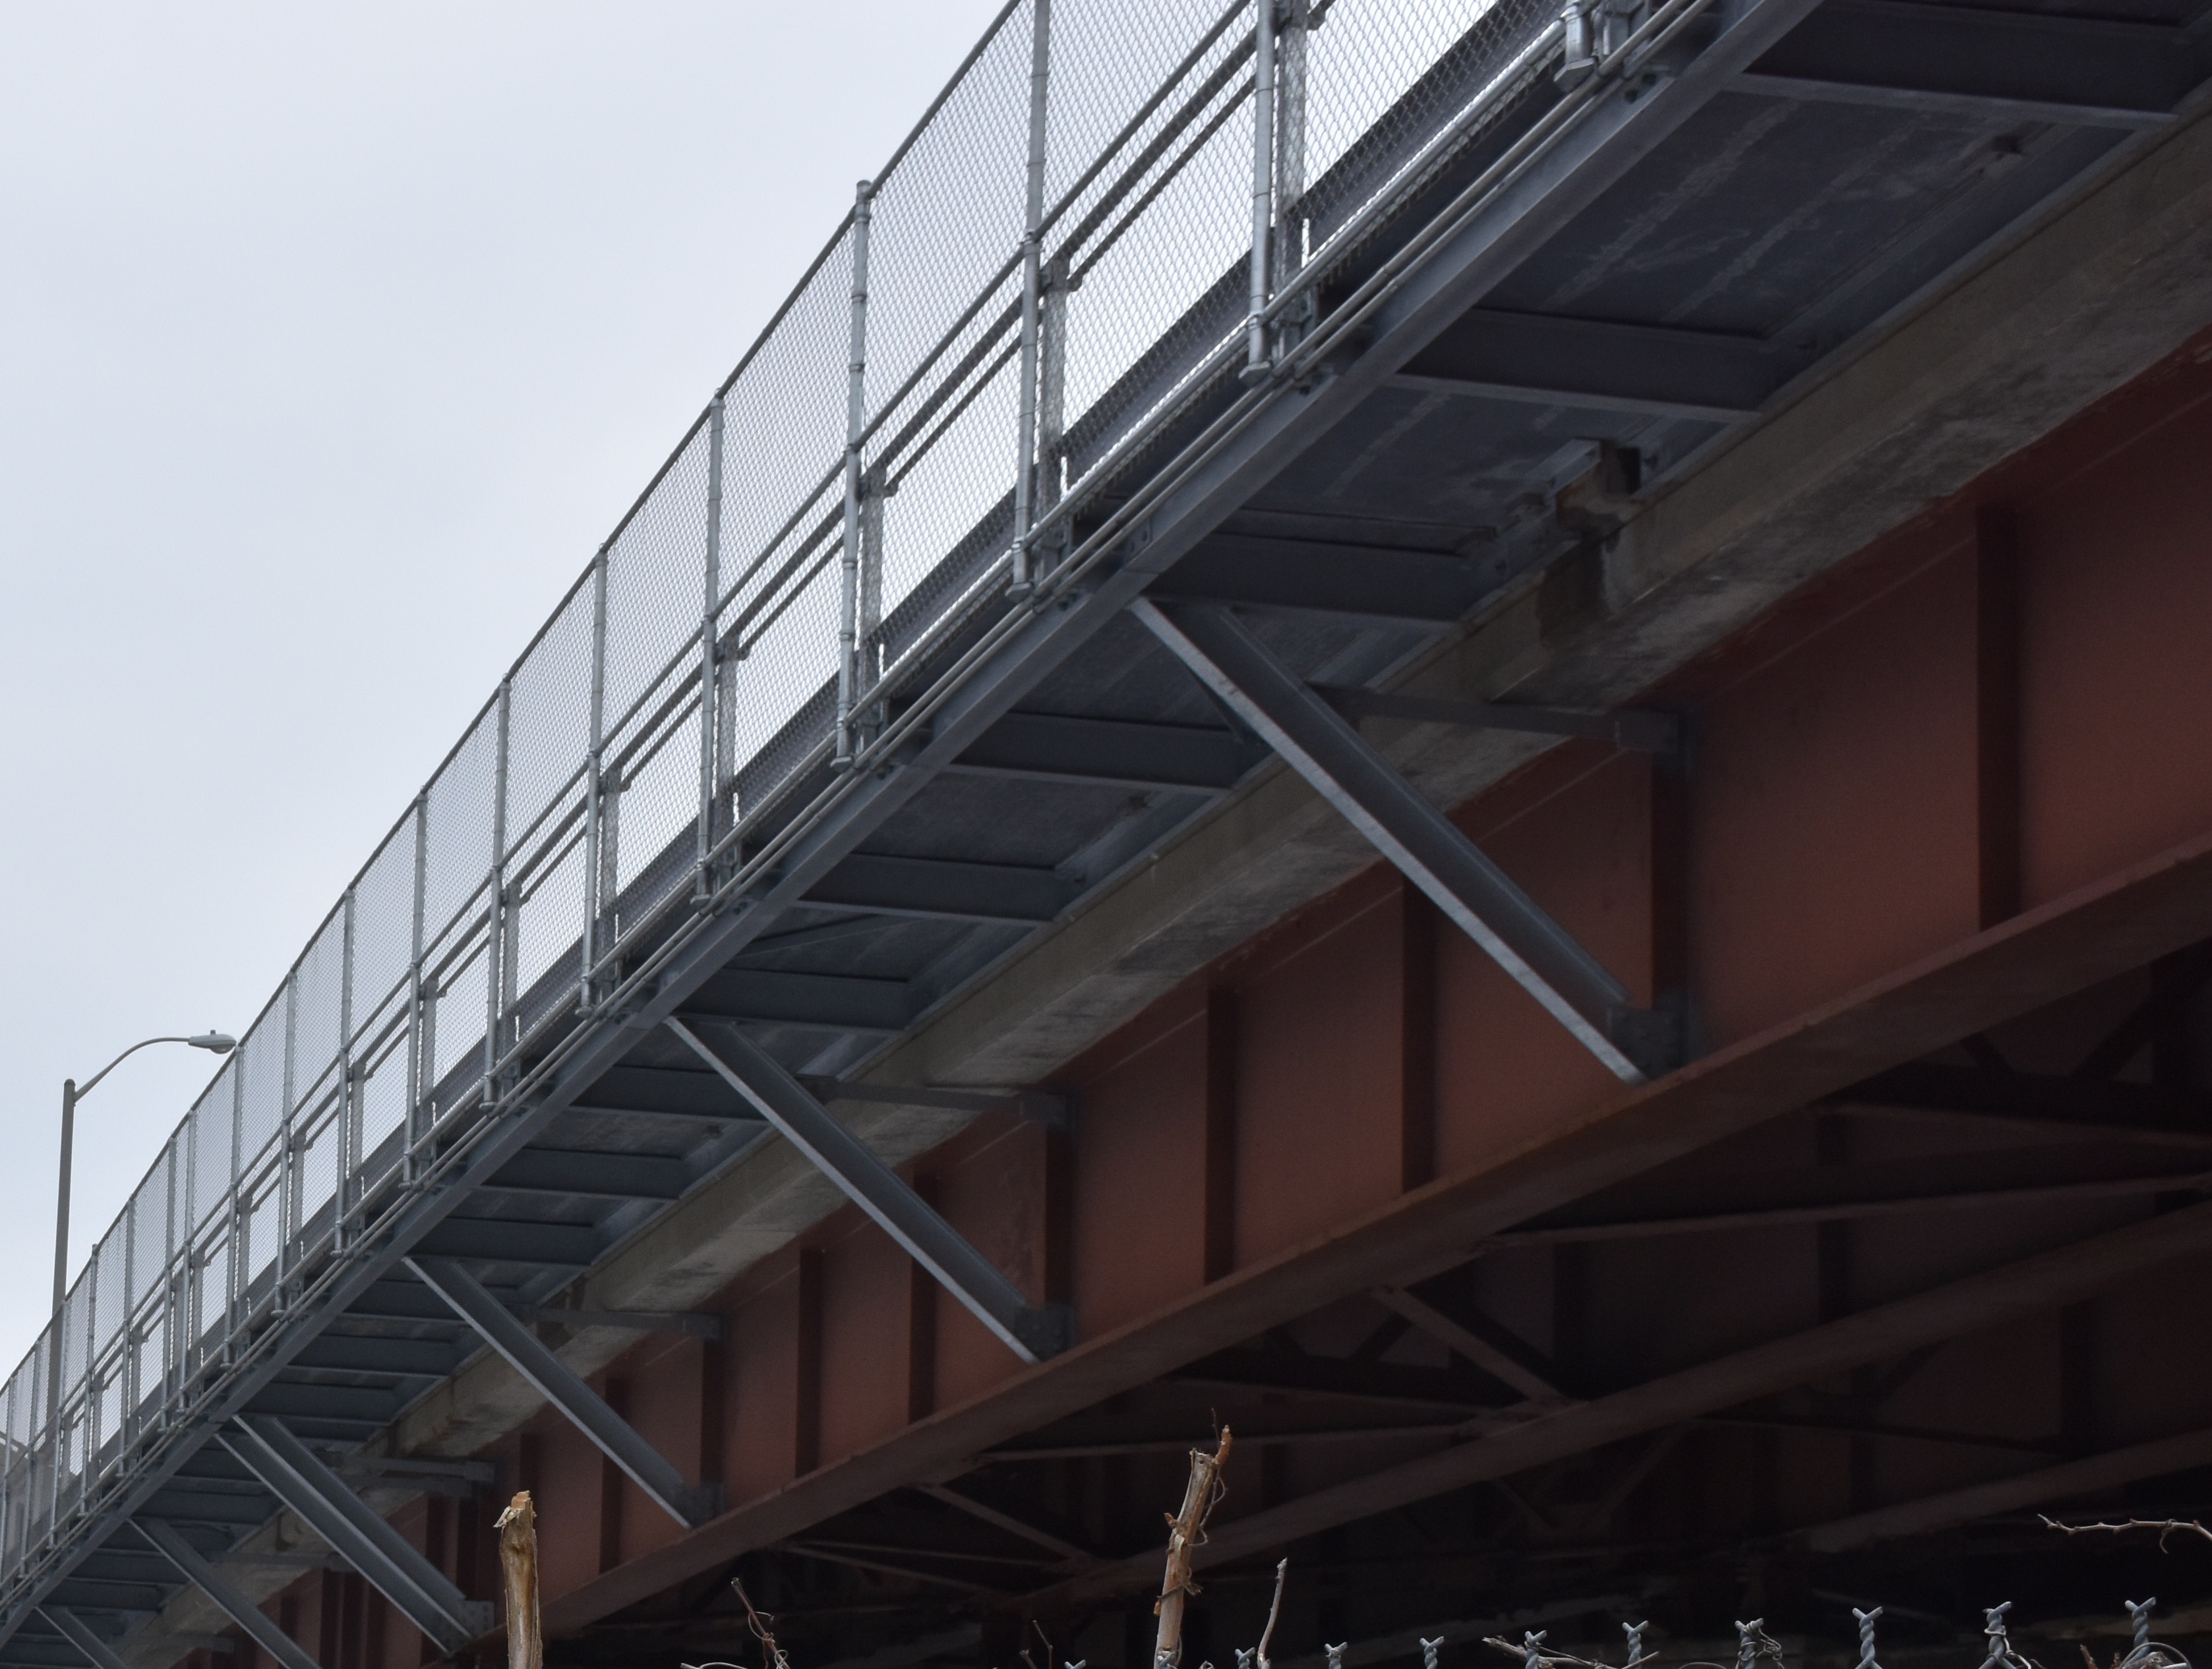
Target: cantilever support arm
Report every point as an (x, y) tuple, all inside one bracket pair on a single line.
[(1031, 1333), (229, 1598), (422, 1593), (689, 1505), (1318, 743)]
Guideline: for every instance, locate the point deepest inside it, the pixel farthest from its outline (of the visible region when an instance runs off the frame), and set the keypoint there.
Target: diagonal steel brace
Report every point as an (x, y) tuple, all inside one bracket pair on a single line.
[(228, 1598), (296, 1477), (1032, 1333), (1318, 743), (690, 1504)]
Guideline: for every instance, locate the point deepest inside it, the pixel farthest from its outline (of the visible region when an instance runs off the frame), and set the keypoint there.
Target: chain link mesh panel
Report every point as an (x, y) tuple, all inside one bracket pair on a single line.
[(318, 1007), (383, 926), (150, 1242), (457, 855)]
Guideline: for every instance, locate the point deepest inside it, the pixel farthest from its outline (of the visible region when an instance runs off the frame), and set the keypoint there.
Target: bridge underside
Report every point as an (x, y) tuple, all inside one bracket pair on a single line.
[(1844, 431)]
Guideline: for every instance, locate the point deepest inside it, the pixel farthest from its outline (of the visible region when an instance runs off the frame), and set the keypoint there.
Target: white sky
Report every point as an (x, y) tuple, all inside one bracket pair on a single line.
[(333, 337)]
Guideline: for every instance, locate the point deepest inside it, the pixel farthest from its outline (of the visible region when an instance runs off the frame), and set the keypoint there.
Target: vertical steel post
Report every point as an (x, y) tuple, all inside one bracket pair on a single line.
[(856, 414), (417, 1066), (62, 1194), (172, 1366), (1032, 284), (349, 1090), (870, 645), (1263, 188), (589, 955), (495, 902), (1289, 184), (233, 1210), (288, 1208), (1051, 385), (710, 656)]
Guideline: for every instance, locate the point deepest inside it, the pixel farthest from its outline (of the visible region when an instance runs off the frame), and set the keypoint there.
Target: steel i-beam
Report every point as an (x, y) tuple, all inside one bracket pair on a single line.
[(1031, 1333), (71, 1628), (422, 1591), (1316, 742), (229, 1598), (689, 1505)]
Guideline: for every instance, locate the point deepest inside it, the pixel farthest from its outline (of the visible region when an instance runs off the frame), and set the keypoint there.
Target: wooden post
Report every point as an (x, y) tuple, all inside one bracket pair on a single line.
[(518, 1563), (1185, 1531)]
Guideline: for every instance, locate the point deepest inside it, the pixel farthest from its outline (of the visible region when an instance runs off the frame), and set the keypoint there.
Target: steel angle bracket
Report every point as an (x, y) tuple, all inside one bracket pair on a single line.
[(1321, 746), (1030, 1331), (418, 1589), (690, 1504)]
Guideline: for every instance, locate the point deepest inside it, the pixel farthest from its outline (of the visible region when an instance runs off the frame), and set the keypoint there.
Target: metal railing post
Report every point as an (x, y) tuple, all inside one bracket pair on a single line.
[(288, 1208), (1289, 183), (495, 901), (1263, 188), (588, 958), (234, 1272), (710, 656), (1051, 386), (1032, 284), (856, 416), (348, 1158), (417, 1066)]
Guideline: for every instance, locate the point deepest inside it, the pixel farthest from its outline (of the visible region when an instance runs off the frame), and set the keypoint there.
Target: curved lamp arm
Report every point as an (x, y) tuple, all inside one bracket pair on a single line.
[(215, 1041)]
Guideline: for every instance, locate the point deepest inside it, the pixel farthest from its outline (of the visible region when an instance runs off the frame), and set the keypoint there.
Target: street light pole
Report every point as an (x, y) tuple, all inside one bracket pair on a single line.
[(214, 1041), (62, 1201)]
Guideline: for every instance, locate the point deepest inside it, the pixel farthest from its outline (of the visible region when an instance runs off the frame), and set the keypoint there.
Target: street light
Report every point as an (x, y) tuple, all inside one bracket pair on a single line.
[(214, 1041)]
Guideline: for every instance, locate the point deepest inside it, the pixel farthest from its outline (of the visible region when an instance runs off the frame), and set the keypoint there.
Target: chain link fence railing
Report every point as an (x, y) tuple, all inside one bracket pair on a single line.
[(1054, 262)]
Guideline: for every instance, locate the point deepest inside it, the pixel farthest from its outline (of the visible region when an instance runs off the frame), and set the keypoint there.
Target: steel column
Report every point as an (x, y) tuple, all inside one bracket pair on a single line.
[(1032, 1333), (294, 1475), (1316, 742), (229, 1599), (689, 1505)]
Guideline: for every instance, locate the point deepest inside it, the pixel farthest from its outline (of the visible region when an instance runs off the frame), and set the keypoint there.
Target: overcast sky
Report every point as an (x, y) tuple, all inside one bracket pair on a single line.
[(333, 337)]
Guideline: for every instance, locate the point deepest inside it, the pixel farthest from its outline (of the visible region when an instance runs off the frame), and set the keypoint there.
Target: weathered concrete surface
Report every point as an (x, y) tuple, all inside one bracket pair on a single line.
[(2098, 294)]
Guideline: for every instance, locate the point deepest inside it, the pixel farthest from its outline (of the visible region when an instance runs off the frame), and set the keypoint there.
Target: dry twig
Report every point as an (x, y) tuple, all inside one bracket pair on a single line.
[(1274, 1611), (759, 1622), (1186, 1530), (2165, 1527), (518, 1564)]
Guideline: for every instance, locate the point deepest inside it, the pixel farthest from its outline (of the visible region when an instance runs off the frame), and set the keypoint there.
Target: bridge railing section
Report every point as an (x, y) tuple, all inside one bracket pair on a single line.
[(1055, 259)]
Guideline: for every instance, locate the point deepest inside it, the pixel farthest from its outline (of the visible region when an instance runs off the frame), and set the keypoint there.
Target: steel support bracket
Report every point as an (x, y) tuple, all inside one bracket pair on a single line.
[(1031, 1332), (295, 1476), (73, 1628), (1321, 745), (689, 1505), (229, 1598)]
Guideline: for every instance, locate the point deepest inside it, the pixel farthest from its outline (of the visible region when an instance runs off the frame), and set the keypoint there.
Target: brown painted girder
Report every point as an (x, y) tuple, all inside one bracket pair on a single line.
[(2122, 923)]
